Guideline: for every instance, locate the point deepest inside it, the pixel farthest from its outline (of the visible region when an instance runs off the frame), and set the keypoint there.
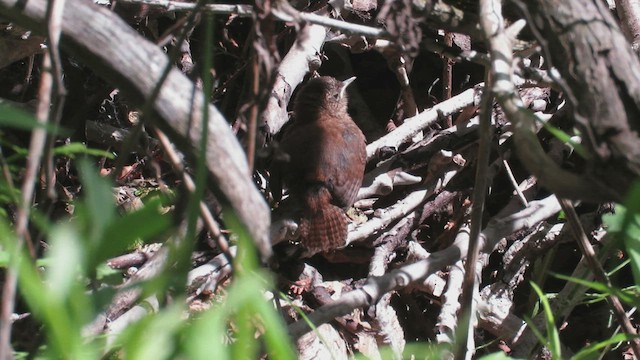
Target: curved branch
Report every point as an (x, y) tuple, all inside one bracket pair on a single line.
[(115, 51), (529, 150)]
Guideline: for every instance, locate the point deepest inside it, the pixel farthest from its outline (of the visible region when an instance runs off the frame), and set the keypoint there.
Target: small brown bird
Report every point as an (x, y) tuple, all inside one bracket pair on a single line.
[(326, 160)]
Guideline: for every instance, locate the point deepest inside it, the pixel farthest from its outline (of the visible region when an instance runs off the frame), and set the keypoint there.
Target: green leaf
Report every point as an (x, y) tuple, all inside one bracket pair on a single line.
[(419, 351), (155, 336), (60, 304), (245, 301), (565, 138), (625, 296), (206, 338), (496, 356), (8, 194), (4, 259), (99, 205), (553, 337), (66, 255), (104, 271), (123, 232), (16, 118), (275, 331), (625, 225), (589, 351), (73, 149), (212, 325)]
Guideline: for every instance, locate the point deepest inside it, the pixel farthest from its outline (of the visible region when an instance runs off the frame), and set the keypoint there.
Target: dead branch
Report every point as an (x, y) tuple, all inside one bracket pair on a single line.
[(413, 125), (302, 57), (134, 64), (509, 220)]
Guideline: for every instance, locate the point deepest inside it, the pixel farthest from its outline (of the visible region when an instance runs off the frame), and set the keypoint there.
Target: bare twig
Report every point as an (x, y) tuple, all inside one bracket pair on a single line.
[(479, 196), (303, 56), (455, 54), (204, 277), (447, 72), (207, 277), (396, 60), (249, 11), (252, 126), (205, 213), (54, 10), (572, 294), (512, 179), (629, 13), (36, 148), (448, 317), (125, 261), (504, 223), (600, 274), (385, 217), (112, 136), (179, 6), (413, 125), (148, 104), (129, 293), (136, 313)]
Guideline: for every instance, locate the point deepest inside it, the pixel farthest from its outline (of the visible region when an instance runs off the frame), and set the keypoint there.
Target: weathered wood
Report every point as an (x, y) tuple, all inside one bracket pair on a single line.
[(115, 51), (629, 13), (584, 42)]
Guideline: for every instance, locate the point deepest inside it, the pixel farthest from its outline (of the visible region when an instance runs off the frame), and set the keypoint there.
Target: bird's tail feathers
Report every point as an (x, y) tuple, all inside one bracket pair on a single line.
[(324, 225)]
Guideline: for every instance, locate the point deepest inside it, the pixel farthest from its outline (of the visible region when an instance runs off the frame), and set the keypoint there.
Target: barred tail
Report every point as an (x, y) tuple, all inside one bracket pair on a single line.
[(324, 225)]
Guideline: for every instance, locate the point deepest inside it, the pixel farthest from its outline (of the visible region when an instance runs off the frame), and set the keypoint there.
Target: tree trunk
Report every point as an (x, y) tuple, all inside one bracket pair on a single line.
[(601, 76)]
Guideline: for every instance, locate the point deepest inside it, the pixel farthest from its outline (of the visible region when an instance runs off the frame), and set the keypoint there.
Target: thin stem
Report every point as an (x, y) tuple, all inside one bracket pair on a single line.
[(447, 72), (479, 196), (598, 271), (36, 149)]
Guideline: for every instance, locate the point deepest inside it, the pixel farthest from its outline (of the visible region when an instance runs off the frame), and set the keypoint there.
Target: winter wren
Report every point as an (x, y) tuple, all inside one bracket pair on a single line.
[(326, 160)]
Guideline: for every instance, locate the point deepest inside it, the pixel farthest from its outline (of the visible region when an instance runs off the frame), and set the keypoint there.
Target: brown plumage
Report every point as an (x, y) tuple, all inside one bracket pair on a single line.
[(327, 156)]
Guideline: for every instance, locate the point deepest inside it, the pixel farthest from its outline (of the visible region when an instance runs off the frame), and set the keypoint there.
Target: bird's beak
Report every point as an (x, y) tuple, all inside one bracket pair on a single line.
[(346, 83)]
